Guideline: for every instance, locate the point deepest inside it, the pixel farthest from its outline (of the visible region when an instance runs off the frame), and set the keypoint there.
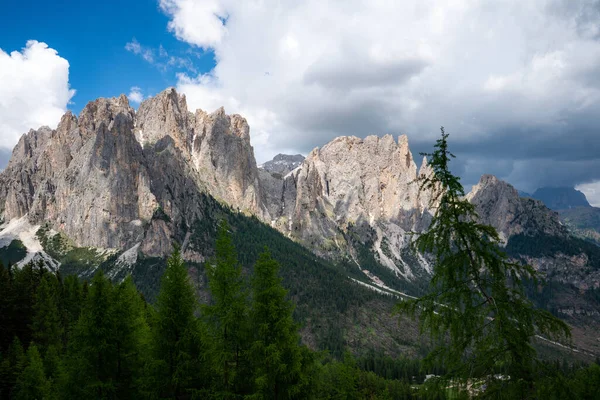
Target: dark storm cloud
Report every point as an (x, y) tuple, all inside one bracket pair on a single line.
[(4, 157), (516, 83)]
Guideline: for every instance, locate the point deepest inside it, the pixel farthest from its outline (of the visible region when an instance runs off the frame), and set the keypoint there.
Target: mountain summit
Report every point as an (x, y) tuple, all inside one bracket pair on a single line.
[(126, 185), (561, 198)]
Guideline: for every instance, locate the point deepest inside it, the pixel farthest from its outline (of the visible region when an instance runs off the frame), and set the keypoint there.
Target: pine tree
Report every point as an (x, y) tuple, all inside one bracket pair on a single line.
[(72, 300), (176, 336), (47, 329), (131, 333), (227, 317), (32, 383), (6, 309), (276, 354), (92, 353), (11, 366), (109, 342), (477, 312)]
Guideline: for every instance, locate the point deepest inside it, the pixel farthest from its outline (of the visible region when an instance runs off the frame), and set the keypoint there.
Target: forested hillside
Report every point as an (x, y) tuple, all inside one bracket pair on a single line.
[(62, 338)]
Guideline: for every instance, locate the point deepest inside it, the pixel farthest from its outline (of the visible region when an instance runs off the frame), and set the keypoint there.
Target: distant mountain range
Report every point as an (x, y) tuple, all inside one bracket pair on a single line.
[(114, 188), (575, 211), (561, 198)]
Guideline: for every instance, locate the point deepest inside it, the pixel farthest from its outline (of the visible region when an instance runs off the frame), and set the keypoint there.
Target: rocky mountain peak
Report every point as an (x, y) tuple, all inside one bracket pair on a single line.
[(499, 204), (99, 178), (165, 114), (282, 164), (561, 198)]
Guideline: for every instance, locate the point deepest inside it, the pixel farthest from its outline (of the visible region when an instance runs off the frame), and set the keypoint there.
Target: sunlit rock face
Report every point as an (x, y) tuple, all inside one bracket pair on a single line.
[(366, 187), (101, 178)]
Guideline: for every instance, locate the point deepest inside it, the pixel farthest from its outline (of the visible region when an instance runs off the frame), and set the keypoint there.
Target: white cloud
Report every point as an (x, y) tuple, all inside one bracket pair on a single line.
[(135, 95), (160, 58), (495, 74), (34, 90), (188, 15), (136, 48), (592, 192)]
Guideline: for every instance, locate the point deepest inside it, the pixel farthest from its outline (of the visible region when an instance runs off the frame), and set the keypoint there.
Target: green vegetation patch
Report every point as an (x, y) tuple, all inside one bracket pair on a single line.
[(13, 253)]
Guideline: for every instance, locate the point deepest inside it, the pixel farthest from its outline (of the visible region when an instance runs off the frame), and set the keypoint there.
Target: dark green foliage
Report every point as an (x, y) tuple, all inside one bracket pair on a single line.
[(160, 214), (276, 355), (176, 342), (546, 245), (345, 380), (227, 317), (108, 343), (71, 299), (32, 383), (17, 298), (113, 352), (13, 253), (12, 363), (46, 324), (477, 311)]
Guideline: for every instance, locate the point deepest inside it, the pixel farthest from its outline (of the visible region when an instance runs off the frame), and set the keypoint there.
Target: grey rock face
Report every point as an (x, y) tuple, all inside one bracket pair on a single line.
[(499, 204), (87, 177), (561, 198), (282, 164), (222, 155), (114, 178), (102, 177), (348, 183)]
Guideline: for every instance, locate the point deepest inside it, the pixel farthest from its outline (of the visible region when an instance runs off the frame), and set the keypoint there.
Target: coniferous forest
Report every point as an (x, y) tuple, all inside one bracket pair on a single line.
[(62, 338)]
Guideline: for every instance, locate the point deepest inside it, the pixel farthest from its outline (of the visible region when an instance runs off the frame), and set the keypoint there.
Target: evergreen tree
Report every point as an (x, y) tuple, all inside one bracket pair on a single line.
[(7, 329), (176, 337), (47, 329), (25, 281), (227, 317), (72, 300), (276, 354), (11, 366), (92, 352), (477, 311), (55, 371), (131, 334), (32, 384)]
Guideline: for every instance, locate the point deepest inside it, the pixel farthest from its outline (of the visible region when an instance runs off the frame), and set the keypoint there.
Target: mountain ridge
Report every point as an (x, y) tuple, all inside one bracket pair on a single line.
[(114, 178)]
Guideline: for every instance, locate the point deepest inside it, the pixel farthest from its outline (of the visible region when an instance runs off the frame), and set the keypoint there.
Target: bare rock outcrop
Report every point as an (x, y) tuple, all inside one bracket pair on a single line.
[(113, 178), (499, 204), (349, 185)]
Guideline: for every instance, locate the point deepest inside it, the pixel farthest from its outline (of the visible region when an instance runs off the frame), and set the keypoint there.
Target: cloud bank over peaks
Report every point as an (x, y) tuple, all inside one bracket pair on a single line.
[(35, 91), (517, 84)]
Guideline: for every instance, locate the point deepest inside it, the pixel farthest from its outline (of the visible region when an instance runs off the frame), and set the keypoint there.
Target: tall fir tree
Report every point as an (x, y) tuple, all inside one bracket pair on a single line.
[(176, 339), (108, 343), (92, 351), (227, 318), (71, 300), (132, 339), (7, 329), (11, 365), (32, 383), (47, 328), (477, 312), (276, 355)]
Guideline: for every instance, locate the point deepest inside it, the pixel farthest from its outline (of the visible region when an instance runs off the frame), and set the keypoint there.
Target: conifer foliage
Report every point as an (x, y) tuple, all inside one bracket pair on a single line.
[(476, 312), (227, 318), (64, 339), (277, 358), (176, 336)]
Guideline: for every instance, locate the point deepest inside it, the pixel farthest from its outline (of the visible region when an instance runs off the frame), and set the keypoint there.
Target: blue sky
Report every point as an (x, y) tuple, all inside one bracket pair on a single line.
[(92, 36)]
